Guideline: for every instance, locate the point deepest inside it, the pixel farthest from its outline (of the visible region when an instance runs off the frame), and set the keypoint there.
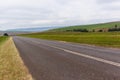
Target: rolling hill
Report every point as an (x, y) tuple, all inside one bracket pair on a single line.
[(38, 29), (25, 30), (106, 39), (13, 32), (89, 27)]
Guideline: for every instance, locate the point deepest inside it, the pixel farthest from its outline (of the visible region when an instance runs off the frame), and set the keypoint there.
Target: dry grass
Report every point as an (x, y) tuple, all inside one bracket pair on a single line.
[(11, 65)]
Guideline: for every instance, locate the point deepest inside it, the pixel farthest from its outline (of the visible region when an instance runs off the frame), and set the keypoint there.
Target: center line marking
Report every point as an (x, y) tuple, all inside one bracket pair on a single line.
[(84, 55)]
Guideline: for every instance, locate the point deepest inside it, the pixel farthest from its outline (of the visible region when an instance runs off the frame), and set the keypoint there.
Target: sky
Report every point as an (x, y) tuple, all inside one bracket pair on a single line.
[(48, 13)]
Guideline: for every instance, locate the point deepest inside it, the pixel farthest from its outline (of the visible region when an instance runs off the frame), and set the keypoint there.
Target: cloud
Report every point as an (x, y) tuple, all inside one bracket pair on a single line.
[(106, 1), (43, 13)]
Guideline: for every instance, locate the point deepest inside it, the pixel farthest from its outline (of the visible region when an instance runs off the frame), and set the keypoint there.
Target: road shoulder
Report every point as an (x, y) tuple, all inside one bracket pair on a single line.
[(11, 65)]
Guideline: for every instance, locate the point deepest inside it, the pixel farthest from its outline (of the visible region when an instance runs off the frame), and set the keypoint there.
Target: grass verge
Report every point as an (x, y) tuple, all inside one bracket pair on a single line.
[(106, 39), (2, 39), (11, 65)]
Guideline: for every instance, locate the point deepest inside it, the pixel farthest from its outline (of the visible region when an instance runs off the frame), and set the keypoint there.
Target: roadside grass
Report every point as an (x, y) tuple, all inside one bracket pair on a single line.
[(11, 65), (106, 39), (2, 39)]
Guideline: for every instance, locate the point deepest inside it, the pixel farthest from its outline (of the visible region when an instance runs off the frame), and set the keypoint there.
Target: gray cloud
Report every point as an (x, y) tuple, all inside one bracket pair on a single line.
[(106, 1), (43, 13)]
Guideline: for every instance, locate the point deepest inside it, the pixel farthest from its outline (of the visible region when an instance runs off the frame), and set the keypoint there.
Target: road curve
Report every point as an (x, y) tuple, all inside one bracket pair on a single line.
[(54, 60)]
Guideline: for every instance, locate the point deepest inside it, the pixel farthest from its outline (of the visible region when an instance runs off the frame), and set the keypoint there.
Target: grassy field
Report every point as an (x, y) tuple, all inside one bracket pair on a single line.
[(107, 39), (11, 65), (2, 39), (89, 27)]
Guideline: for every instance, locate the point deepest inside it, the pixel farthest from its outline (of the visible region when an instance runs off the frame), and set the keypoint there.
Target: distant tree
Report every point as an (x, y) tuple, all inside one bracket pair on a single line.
[(85, 30), (116, 26), (114, 29), (93, 30), (80, 30), (100, 30), (68, 30), (6, 34)]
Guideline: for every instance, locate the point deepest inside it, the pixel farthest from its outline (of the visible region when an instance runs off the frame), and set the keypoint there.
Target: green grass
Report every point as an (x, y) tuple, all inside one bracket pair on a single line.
[(89, 27), (2, 39), (108, 39)]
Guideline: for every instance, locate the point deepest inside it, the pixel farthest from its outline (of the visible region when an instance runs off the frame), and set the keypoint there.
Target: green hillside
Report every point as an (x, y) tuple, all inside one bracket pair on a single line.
[(107, 38), (89, 27)]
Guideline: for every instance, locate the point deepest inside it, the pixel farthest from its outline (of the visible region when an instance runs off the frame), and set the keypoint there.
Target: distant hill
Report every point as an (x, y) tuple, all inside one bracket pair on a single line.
[(25, 30), (89, 27), (0, 33), (13, 32), (39, 29)]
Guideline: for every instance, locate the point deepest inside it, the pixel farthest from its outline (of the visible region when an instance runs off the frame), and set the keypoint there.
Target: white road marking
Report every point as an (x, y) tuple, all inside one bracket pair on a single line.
[(90, 46), (62, 41), (84, 55)]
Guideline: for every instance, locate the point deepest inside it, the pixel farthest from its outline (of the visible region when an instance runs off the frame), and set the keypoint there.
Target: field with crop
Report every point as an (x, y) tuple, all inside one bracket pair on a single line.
[(107, 39), (89, 27)]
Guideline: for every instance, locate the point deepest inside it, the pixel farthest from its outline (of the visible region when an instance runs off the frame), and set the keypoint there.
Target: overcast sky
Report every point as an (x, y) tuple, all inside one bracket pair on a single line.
[(44, 13)]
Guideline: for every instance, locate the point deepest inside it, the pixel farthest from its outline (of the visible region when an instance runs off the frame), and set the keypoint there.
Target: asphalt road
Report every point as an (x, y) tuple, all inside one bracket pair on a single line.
[(54, 60)]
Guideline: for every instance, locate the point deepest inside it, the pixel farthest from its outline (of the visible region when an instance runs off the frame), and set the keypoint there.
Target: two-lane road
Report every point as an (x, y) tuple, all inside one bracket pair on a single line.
[(54, 60)]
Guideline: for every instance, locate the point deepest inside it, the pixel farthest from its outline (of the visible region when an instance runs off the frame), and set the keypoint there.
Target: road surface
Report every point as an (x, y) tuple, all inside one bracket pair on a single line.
[(58, 60)]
